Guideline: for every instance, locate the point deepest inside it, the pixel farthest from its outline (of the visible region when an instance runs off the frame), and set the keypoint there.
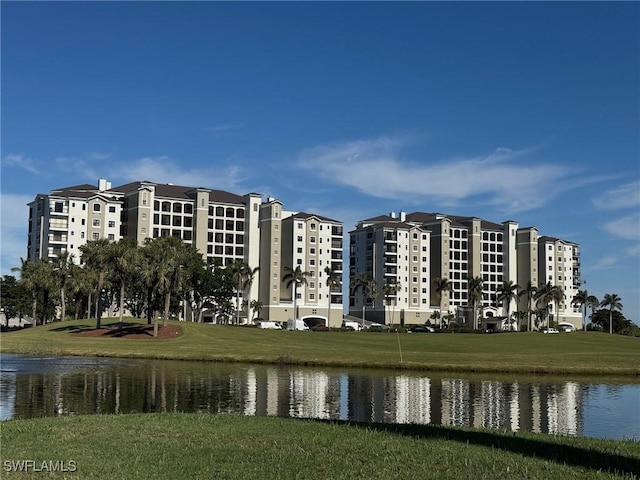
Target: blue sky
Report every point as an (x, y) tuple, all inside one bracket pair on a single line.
[(526, 111)]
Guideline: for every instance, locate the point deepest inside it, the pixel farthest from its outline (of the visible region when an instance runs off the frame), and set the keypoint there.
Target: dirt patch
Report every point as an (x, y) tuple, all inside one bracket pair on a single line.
[(133, 331)]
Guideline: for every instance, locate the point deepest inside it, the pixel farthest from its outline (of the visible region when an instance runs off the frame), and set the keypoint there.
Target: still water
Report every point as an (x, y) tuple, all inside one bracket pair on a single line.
[(33, 386)]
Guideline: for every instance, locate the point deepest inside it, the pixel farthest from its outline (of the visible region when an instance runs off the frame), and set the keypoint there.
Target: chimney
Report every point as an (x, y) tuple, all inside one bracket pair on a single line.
[(103, 185), (392, 214), (403, 216)]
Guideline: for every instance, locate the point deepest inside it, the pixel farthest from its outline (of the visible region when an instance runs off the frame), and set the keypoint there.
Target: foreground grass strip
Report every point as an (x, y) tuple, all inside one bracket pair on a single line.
[(575, 353), (195, 446)]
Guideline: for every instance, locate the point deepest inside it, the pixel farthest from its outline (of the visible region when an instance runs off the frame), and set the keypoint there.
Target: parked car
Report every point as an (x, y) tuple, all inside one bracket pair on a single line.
[(297, 325), (347, 325), (269, 325), (549, 330), (378, 327), (420, 329)]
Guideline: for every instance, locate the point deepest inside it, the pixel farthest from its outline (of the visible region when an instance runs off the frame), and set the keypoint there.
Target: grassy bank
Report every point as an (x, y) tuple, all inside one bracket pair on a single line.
[(572, 353), (232, 447)]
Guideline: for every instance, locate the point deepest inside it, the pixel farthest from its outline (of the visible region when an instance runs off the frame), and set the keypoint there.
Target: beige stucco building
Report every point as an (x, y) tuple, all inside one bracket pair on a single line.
[(223, 226)]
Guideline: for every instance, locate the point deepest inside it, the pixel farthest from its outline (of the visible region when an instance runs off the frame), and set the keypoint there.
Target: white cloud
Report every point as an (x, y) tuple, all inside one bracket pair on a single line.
[(13, 230), (164, 170), (604, 262), (624, 196), (19, 160), (375, 168), (627, 227)]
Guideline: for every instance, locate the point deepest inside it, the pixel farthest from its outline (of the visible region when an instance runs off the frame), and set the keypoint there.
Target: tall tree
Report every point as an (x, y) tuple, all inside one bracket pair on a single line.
[(584, 300), (549, 293), (529, 291), (475, 286), (36, 277), (123, 257), (368, 286), (389, 292), (28, 282), (442, 285), (243, 276), (166, 254), (296, 277), (334, 284), (256, 306), (95, 255), (614, 302), (62, 270), (15, 299), (507, 292), (198, 282)]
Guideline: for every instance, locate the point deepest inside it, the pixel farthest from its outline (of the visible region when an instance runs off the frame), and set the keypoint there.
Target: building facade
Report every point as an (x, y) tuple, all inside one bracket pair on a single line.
[(418, 248), (223, 226)]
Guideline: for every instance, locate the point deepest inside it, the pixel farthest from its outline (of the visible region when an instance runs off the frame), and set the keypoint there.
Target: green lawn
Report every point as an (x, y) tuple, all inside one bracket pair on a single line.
[(197, 446), (567, 353)]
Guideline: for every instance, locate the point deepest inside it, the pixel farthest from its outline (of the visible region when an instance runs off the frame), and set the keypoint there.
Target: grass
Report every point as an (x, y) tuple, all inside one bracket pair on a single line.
[(197, 446), (575, 353)]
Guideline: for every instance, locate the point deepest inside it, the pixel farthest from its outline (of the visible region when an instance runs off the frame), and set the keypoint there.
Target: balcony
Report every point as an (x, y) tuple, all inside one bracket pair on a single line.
[(391, 260)]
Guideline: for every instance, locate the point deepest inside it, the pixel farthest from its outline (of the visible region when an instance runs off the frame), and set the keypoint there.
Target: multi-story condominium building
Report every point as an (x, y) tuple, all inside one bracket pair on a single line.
[(67, 218), (559, 262), (304, 240), (394, 252), (417, 248), (223, 226)]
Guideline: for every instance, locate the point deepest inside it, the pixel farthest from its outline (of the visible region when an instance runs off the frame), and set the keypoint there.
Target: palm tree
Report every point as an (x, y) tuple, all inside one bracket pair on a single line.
[(295, 276), (30, 283), (475, 287), (242, 275), (442, 286), (124, 260), (256, 306), (390, 291), (506, 293), (368, 285), (95, 255), (62, 268), (168, 264), (585, 300), (613, 301), (530, 291), (550, 293), (333, 282)]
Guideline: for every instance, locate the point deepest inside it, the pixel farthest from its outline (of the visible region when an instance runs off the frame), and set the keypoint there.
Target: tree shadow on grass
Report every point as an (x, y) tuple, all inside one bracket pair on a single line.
[(73, 328), (109, 328), (590, 458)]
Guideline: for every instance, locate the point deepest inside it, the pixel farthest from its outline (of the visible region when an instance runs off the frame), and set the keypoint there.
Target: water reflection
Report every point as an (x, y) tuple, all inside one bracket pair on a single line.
[(32, 386)]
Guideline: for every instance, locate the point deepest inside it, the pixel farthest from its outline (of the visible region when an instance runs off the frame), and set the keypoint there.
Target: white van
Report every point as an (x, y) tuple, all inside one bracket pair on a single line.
[(355, 325), (296, 325), (269, 325)]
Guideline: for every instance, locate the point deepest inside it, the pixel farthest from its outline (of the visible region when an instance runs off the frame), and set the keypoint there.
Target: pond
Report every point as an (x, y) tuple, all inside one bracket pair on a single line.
[(34, 386)]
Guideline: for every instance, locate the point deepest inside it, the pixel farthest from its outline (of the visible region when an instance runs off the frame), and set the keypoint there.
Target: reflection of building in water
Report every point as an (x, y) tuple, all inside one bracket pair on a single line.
[(262, 390), (308, 394), (414, 406), (456, 402)]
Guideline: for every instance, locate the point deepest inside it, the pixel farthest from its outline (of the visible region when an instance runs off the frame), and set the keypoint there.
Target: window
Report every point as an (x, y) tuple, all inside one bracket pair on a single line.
[(112, 224), (111, 237), (312, 239), (112, 209), (95, 222), (96, 207), (95, 236), (299, 238), (81, 234)]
